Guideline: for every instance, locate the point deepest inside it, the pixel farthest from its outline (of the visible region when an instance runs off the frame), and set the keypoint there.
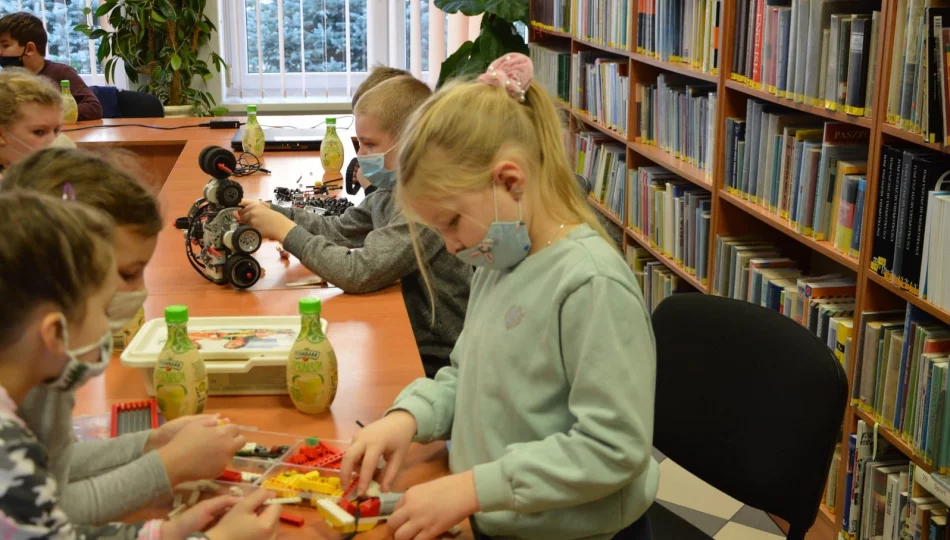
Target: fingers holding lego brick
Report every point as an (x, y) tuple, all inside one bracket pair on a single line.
[(199, 451), (243, 522)]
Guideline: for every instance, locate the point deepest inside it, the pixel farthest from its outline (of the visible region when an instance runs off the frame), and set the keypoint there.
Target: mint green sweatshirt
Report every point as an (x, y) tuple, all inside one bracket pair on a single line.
[(549, 396)]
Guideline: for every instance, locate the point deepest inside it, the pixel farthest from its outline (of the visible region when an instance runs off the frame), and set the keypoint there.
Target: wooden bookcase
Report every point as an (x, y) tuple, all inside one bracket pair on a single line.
[(732, 215)]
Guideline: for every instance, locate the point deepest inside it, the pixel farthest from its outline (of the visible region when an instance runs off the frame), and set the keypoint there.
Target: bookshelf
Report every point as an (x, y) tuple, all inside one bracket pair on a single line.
[(733, 215)]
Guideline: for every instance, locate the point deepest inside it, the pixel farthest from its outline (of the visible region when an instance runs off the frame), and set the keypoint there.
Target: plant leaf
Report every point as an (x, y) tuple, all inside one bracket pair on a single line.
[(467, 7), (103, 52), (451, 65), (106, 7), (175, 62), (167, 9), (510, 10), (157, 17)]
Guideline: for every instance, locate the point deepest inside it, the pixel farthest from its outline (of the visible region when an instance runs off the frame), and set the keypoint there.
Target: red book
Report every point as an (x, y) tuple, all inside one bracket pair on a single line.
[(757, 48)]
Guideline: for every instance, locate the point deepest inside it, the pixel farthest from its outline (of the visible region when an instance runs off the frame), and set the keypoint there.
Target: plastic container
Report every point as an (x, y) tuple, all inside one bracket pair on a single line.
[(243, 355)]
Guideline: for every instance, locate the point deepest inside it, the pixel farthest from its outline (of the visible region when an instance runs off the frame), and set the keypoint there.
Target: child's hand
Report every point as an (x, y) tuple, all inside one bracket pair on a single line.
[(244, 523), (271, 224), (430, 509), (197, 518), (249, 202), (199, 451), (388, 437), (158, 438)]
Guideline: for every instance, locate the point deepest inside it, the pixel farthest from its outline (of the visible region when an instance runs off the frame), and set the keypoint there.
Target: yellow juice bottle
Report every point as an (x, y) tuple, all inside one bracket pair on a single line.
[(311, 367), (253, 139), (70, 109), (331, 150), (181, 383)]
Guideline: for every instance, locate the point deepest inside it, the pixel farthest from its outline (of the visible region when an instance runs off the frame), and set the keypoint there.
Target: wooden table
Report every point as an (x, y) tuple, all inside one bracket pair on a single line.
[(370, 333)]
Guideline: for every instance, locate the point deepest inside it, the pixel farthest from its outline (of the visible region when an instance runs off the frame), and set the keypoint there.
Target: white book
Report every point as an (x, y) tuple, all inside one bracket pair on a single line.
[(890, 508)]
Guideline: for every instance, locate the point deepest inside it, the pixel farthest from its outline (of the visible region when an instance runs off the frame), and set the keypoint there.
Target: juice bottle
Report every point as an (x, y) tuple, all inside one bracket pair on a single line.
[(311, 368), (253, 139), (181, 384), (331, 150), (70, 109)]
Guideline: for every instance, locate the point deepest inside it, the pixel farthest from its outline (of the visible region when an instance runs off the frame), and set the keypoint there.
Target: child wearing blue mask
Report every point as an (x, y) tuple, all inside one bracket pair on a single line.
[(370, 247), (549, 399), (57, 278)]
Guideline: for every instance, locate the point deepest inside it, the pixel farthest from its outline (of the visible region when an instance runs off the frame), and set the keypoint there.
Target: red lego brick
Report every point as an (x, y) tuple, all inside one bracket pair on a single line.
[(297, 459), (369, 507), (291, 519), (230, 476), (347, 506)]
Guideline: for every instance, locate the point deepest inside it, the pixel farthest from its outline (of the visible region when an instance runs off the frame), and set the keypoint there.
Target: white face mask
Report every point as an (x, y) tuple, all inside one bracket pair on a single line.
[(62, 141), (76, 372), (124, 307)]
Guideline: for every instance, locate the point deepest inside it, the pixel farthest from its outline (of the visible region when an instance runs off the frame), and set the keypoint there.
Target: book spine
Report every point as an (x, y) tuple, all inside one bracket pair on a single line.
[(858, 67), (910, 175), (854, 249)]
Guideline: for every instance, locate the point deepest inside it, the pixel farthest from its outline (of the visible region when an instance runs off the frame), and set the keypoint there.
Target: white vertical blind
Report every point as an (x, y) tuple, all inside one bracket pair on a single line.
[(280, 45), (436, 42), (260, 46), (458, 31), (415, 38), (394, 22)]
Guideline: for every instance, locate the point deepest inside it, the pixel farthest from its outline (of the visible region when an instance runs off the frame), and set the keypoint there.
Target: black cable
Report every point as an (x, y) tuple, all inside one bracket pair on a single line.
[(248, 164), (162, 128), (356, 523)]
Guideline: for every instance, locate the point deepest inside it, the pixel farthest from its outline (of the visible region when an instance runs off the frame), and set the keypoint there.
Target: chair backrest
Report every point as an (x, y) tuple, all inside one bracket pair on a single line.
[(133, 104), (749, 401)]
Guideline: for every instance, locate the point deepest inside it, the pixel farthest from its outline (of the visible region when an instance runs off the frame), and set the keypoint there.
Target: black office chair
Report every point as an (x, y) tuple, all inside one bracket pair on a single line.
[(750, 402), (133, 104)]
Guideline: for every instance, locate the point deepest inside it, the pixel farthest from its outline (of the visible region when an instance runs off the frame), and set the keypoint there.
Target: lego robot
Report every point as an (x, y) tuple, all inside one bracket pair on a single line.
[(217, 245)]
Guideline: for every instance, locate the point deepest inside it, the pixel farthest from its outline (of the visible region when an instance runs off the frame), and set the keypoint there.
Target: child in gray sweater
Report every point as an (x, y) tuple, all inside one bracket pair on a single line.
[(369, 247)]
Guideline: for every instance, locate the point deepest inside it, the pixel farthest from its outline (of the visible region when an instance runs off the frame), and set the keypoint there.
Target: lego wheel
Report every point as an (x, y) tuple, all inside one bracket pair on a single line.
[(246, 240), (214, 156), (229, 193), (352, 185), (242, 271)]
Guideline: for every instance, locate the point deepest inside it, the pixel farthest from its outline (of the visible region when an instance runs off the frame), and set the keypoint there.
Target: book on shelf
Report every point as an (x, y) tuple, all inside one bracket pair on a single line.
[(831, 486), (552, 68), (600, 86), (551, 14), (656, 280), (604, 22), (908, 177), (678, 116), (680, 31), (935, 279), (816, 52), (603, 161)]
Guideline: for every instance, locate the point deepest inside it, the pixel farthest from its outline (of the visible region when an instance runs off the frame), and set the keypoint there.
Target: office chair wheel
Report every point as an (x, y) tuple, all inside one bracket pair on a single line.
[(213, 158), (242, 271), (352, 185), (244, 240)]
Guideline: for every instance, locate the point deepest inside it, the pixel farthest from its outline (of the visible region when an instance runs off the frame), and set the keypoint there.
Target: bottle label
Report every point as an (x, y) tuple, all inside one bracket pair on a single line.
[(178, 340)]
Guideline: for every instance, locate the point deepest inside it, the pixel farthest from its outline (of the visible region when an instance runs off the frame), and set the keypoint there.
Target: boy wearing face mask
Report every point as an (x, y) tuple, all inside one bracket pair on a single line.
[(142, 466), (369, 247), (23, 43)]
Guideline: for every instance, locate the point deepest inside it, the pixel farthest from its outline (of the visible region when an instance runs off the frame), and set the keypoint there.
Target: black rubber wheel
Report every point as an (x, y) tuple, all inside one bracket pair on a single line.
[(242, 271), (352, 185), (211, 157), (229, 193), (246, 240)]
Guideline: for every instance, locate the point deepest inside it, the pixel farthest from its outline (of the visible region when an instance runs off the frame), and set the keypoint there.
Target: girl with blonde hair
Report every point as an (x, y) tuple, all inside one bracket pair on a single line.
[(549, 399), (31, 115)]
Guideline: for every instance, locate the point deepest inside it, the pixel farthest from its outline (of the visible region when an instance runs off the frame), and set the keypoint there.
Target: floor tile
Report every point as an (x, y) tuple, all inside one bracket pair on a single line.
[(710, 525), (658, 456), (735, 531), (756, 519), (682, 488)]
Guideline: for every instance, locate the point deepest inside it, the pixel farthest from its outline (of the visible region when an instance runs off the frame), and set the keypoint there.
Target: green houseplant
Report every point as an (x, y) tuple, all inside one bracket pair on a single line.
[(163, 45), (497, 36)]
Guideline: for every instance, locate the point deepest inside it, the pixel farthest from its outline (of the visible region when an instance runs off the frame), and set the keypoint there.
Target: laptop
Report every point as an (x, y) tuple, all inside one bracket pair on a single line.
[(286, 139)]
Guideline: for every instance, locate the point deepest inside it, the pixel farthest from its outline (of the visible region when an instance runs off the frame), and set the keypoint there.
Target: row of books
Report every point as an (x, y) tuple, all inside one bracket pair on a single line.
[(753, 270), (816, 52), (551, 14), (673, 215), (601, 88), (831, 484), (552, 69), (603, 161), (912, 225), (656, 280), (918, 97), (901, 379), (887, 497), (681, 31), (679, 118), (812, 174), (605, 22)]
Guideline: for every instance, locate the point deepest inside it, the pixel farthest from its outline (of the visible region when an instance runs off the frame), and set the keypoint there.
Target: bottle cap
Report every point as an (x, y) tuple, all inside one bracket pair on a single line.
[(331, 121), (252, 108), (176, 314), (64, 84), (309, 306)]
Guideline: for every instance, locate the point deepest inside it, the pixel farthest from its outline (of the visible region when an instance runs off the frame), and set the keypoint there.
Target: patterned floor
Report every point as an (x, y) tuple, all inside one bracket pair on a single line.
[(714, 513)]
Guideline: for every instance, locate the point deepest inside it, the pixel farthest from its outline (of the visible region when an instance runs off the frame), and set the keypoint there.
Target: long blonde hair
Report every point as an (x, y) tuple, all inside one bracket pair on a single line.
[(454, 140)]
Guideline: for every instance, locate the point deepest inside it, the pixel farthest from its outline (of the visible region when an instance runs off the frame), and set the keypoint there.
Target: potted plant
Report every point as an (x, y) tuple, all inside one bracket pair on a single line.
[(496, 37), (163, 43)]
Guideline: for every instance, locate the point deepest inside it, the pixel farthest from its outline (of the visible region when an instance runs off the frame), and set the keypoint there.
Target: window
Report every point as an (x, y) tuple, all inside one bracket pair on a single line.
[(313, 49), (65, 44)]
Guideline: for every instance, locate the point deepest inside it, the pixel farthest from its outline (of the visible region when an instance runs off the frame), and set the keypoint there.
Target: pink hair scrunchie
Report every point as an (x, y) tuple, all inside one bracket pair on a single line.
[(512, 72)]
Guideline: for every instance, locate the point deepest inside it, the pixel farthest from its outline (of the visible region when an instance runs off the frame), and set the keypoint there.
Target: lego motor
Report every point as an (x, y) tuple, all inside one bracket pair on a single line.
[(217, 245)]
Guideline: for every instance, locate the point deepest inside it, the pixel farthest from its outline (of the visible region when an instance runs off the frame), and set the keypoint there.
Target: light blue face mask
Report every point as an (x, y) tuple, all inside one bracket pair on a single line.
[(373, 168), (505, 245)]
